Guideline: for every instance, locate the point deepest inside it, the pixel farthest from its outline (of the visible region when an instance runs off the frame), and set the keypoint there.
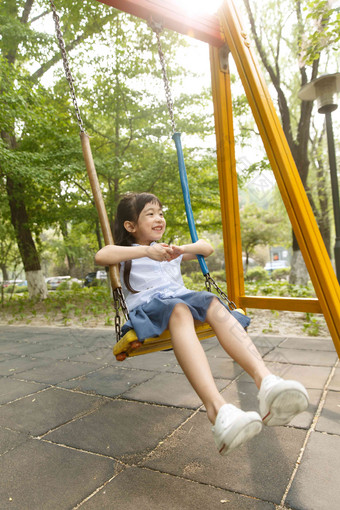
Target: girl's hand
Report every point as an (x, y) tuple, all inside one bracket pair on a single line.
[(176, 252), (189, 251), (159, 251)]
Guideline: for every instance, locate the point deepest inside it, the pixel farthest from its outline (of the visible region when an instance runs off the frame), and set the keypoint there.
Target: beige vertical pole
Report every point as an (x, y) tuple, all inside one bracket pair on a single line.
[(99, 202)]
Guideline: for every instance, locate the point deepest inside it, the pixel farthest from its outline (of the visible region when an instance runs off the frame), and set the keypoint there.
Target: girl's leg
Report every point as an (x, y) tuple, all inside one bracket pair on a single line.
[(279, 400), (236, 342), (192, 358), (232, 427)]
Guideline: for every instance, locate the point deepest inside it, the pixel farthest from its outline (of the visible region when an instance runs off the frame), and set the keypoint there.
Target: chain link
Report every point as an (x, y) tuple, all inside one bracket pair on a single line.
[(209, 281), (157, 28), (66, 65), (119, 304), (118, 296)]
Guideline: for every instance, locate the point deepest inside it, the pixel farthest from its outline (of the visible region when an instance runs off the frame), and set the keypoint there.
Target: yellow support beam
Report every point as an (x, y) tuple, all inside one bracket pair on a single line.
[(281, 303), (287, 177), (226, 165)]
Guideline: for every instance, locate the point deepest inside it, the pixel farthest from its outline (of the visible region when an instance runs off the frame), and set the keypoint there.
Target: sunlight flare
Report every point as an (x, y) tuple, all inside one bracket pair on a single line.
[(200, 6)]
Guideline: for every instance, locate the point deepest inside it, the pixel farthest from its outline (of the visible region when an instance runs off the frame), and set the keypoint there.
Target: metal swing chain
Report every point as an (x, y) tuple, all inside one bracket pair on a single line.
[(118, 296), (66, 65), (157, 28), (209, 281), (119, 304)]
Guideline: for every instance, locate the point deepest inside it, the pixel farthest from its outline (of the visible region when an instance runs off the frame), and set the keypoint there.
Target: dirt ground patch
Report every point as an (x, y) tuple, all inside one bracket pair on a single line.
[(263, 322)]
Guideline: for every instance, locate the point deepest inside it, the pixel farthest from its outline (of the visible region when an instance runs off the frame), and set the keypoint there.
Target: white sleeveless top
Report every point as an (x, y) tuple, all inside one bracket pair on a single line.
[(153, 279)]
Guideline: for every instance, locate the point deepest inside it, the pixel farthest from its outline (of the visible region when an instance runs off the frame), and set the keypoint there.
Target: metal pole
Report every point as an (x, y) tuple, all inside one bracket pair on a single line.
[(335, 190)]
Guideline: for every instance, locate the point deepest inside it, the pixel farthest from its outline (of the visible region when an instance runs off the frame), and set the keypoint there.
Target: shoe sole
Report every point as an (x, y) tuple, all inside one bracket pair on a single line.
[(285, 406), (243, 430)]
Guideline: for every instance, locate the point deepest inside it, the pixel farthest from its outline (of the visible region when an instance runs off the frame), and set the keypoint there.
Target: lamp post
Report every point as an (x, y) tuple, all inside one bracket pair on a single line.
[(323, 90)]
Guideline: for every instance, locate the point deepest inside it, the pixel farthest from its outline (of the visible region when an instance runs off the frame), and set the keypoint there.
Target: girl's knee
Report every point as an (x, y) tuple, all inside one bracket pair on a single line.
[(180, 312), (217, 312)]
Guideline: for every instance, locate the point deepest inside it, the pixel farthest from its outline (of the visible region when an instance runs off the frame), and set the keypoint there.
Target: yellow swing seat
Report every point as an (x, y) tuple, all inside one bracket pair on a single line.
[(129, 345)]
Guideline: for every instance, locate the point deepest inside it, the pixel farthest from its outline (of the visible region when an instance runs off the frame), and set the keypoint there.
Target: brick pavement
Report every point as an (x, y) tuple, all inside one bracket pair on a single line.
[(79, 430)]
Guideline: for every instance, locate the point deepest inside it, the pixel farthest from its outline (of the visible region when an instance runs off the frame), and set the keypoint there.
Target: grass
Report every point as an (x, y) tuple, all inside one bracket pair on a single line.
[(86, 307), (80, 306)]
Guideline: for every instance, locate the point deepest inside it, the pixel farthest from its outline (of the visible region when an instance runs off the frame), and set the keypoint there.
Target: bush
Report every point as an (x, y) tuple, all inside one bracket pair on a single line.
[(280, 274), (75, 285), (63, 285), (255, 274)]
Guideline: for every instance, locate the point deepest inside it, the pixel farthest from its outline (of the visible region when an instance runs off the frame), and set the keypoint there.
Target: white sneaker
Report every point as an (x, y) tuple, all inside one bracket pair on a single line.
[(234, 427), (281, 400)]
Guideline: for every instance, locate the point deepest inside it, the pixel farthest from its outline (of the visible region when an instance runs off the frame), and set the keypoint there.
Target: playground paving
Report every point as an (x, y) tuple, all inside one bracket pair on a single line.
[(80, 430)]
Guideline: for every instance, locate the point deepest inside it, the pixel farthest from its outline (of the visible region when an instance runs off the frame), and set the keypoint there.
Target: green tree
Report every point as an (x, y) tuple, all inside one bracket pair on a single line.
[(293, 51), (42, 173), (25, 108), (258, 227)]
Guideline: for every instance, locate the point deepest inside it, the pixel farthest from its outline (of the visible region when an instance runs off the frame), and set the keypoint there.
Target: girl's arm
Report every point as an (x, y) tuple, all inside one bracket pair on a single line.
[(114, 254), (189, 251)]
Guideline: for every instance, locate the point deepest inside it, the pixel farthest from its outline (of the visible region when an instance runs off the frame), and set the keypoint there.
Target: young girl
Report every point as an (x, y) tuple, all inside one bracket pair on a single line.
[(157, 299)]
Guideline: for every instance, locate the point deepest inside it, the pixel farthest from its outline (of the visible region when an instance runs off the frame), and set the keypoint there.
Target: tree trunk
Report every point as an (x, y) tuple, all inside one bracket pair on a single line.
[(35, 281), (4, 272), (298, 274), (70, 259)]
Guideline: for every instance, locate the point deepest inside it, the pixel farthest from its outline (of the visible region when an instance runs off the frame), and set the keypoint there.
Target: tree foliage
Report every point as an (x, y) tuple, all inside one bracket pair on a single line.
[(298, 47), (118, 84)]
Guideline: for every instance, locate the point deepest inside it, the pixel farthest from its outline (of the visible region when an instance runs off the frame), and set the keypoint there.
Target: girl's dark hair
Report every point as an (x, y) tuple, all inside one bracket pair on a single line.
[(129, 209)]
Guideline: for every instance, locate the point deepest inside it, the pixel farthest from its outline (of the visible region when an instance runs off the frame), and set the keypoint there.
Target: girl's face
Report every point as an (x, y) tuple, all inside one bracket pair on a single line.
[(150, 225)]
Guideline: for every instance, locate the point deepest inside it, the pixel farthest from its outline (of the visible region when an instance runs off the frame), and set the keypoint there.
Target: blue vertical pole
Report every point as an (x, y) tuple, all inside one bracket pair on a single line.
[(186, 196)]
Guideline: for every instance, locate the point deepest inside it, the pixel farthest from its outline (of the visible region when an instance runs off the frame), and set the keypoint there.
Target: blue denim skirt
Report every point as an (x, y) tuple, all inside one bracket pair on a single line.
[(152, 318)]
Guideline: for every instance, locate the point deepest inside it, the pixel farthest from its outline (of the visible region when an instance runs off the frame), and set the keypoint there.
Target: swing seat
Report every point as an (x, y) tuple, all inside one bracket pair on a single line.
[(129, 345)]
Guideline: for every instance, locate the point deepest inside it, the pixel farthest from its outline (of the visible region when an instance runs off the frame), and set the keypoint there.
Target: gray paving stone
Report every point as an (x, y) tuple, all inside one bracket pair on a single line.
[(5, 356), (169, 389), (10, 439), (216, 351), (209, 343), (19, 365), (125, 430), (309, 343), (335, 382), (221, 368), (267, 341), (149, 490), (64, 352), (35, 334), (310, 377), (6, 346), (46, 410), (329, 420), (261, 468), (109, 381), (156, 361), (305, 419), (316, 484), (11, 389), (26, 348), (263, 344), (302, 357), (57, 372), (42, 476), (92, 339), (100, 356)]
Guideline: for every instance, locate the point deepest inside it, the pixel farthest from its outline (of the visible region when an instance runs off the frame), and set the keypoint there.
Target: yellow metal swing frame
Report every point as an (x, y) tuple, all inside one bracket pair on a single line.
[(225, 34)]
